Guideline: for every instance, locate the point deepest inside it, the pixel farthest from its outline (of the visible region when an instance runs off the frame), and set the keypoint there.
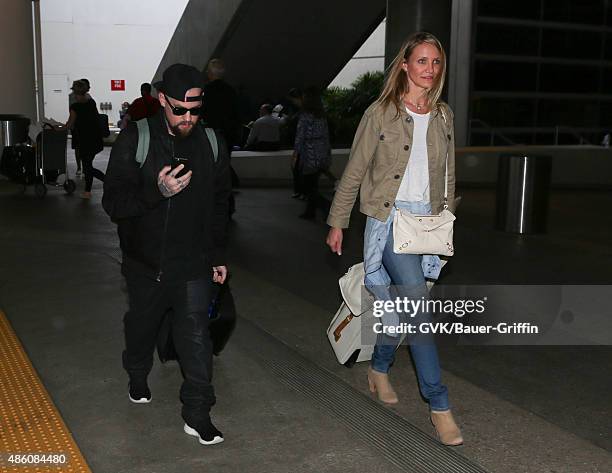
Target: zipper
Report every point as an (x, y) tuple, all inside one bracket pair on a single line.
[(163, 248)]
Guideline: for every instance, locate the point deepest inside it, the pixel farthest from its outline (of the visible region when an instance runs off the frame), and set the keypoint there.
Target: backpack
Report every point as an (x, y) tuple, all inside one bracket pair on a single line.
[(144, 138)]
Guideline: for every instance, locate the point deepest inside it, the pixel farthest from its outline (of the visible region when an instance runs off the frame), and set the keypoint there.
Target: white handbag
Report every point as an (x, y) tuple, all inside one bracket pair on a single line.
[(425, 234)]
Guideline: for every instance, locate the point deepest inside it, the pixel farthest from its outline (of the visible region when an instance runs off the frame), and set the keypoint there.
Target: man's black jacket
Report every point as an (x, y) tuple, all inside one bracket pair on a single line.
[(133, 201)]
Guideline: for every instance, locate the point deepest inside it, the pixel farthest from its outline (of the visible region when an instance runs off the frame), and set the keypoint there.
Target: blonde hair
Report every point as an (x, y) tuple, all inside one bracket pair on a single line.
[(396, 84)]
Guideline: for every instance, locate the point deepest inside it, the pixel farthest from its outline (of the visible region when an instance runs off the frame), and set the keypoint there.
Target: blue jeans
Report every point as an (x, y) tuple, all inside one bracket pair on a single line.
[(407, 278)]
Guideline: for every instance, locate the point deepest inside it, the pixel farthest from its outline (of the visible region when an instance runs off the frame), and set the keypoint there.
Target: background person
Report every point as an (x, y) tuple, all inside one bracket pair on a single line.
[(73, 144), (123, 116), (265, 131), (290, 121), (220, 107), (220, 111), (144, 106), (84, 121), (312, 151), (392, 164), (277, 111)]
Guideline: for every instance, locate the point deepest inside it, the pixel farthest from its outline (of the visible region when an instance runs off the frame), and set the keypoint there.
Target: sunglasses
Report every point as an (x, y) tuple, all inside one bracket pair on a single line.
[(179, 111)]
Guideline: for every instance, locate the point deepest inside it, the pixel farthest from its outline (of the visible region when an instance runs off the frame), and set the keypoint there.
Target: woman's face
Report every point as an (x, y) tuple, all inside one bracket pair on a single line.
[(424, 65)]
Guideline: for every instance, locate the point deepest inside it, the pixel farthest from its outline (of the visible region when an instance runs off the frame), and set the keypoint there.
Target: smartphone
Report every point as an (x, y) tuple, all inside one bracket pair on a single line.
[(185, 162)]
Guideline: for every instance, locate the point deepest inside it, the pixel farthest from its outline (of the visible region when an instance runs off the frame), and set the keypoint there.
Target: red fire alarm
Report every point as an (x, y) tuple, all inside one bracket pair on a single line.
[(117, 84)]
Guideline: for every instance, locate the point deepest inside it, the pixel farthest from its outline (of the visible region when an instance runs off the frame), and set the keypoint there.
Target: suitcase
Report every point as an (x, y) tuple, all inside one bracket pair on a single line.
[(344, 335), (350, 332), (354, 318)]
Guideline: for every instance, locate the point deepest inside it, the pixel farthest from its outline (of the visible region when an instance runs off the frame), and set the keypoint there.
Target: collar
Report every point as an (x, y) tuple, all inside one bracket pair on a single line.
[(434, 112)]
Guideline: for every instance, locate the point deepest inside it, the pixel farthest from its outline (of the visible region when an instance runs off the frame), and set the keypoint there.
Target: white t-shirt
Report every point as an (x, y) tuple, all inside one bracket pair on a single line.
[(415, 183)]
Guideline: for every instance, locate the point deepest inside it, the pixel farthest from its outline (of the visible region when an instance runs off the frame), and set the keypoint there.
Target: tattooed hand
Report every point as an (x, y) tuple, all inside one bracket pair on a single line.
[(169, 184)]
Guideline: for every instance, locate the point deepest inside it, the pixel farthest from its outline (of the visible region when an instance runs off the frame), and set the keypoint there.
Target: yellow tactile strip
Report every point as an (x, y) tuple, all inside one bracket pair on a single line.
[(33, 435)]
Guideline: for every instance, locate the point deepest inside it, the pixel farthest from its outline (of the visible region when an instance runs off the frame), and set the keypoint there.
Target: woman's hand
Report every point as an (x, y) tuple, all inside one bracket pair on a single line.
[(334, 240)]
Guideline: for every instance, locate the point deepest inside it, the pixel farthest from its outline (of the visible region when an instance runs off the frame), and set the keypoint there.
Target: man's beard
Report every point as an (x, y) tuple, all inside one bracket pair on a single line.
[(182, 132)]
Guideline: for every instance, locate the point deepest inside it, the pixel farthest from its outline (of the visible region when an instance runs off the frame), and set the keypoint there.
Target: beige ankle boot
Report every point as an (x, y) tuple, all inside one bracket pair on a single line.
[(448, 432), (379, 383)]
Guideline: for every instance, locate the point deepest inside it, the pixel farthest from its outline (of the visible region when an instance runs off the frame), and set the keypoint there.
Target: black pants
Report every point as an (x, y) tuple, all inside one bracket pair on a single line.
[(297, 179), (148, 302), (235, 183), (87, 158), (310, 188), (77, 157)]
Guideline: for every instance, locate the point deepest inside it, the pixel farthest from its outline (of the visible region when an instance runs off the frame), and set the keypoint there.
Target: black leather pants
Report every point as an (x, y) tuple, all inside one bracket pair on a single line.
[(148, 303)]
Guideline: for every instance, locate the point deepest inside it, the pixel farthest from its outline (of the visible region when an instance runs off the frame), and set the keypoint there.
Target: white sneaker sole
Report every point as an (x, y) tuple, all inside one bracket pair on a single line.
[(142, 400), (193, 432)]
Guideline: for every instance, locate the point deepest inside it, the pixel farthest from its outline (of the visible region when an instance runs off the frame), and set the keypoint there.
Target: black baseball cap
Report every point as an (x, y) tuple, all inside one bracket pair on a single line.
[(178, 79)]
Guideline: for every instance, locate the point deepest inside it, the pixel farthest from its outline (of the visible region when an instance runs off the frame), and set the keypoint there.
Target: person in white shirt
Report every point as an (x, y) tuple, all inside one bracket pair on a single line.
[(403, 158)]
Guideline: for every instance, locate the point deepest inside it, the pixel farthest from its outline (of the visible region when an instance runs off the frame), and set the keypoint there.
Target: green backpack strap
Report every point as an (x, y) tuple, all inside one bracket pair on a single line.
[(144, 137), (212, 139)]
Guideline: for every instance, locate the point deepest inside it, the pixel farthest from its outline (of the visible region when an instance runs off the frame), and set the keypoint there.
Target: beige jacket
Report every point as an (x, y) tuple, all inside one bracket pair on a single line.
[(378, 161)]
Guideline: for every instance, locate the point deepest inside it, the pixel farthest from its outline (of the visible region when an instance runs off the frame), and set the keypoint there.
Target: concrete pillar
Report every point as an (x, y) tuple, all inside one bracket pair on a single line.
[(451, 22), (17, 94), (38, 69), (459, 68), (404, 17)]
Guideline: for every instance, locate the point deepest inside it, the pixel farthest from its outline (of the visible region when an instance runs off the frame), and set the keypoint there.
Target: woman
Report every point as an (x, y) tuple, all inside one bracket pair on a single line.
[(399, 160), (289, 123), (84, 121), (312, 153)]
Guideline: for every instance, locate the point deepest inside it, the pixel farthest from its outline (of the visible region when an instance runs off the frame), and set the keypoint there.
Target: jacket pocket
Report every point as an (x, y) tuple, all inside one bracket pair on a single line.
[(388, 145)]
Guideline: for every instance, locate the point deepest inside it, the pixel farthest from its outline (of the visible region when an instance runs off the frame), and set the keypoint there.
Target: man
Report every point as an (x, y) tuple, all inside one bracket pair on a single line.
[(145, 106), (265, 132), (220, 111), (172, 232)]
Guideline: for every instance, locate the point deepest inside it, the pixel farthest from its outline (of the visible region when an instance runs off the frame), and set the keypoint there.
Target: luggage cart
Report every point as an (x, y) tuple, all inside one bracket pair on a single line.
[(51, 162)]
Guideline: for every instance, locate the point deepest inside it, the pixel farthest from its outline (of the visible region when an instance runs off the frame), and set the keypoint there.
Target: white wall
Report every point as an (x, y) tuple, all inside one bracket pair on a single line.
[(102, 40), (369, 58)]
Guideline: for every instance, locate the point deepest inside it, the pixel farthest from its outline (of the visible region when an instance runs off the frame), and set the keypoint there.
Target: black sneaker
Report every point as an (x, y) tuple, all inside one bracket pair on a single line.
[(139, 391), (206, 433)]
